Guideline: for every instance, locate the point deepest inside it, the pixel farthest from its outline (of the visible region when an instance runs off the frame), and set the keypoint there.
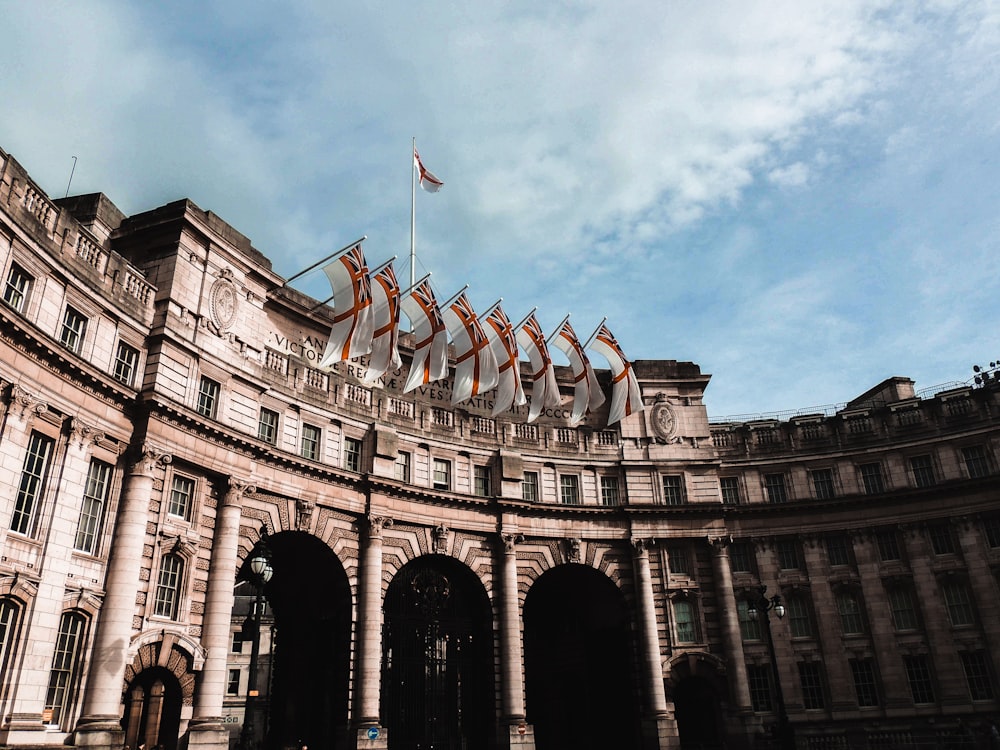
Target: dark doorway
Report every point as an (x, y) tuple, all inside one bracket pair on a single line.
[(579, 673), (698, 714), (437, 659), (153, 710), (306, 675)]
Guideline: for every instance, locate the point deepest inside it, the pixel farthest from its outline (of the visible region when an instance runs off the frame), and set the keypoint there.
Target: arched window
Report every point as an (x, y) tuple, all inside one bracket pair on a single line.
[(852, 619), (168, 586), (684, 624), (63, 678), (10, 617)]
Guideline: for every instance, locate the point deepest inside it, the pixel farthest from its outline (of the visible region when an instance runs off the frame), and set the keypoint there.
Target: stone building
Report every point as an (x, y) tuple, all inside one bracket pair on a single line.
[(443, 578)]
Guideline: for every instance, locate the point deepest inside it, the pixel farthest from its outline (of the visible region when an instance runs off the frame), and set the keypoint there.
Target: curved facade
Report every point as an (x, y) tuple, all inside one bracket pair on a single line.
[(443, 578)]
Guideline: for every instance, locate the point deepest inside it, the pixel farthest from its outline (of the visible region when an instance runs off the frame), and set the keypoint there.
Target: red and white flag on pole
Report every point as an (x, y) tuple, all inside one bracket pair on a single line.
[(544, 388), (626, 397), (500, 333), (385, 322), (351, 334), (588, 394), (475, 366), (428, 181), (430, 348)]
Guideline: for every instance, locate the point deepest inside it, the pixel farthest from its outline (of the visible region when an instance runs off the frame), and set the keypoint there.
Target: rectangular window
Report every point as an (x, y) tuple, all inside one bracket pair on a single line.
[(126, 362), (865, 683), (95, 496), (788, 554), (267, 426), (442, 474), (977, 675), (774, 487), (529, 486), (749, 627), (741, 557), (684, 621), (74, 326), (958, 604), (730, 490), (901, 606), (888, 545), (942, 540), (482, 481), (352, 454), (811, 679), (679, 562), (15, 291), (29, 491), (852, 620), (923, 471), (992, 528), (9, 619), (759, 679), (976, 463), (403, 466), (822, 480), (310, 442), (569, 489), (208, 397), (799, 620), (233, 684), (237, 647), (871, 478), (673, 489), (837, 551), (62, 682), (168, 587), (181, 494), (918, 675), (609, 491)]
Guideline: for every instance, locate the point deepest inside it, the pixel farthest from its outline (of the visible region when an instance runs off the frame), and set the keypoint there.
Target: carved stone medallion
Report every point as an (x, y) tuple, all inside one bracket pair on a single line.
[(663, 421), (224, 301)]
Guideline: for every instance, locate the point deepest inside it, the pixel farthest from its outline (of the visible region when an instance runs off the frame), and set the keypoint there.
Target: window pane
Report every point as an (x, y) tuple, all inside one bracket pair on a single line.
[(126, 362), (975, 461), (267, 426), (352, 454), (851, 619), (788, 554), (977, 675), (15, 292), (759, 679), (799, 618), (168, 587), (942, 540), (837, 550), (871, 479), (813, 695), (9, 615), (30, 488), (730, 490), (923, 471), (678, 558), (684, 622), (904, 615), (956, 597), (741, 557), (865, 685), (609, 491), (774, 485), (442, 474), (529, 486), (181, 493), (569, 489), (749, 629), (482, 481), (823, 483), (73, 328), (673, 490), (403, 466), (918, 675), (310, 442), (208, 398), (95, 496), (888, 545), (64, 661)]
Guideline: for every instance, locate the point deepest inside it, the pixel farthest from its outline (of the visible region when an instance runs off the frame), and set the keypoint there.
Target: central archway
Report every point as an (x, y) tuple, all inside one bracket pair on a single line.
[(437, 663), (579, 666), (310, 599)]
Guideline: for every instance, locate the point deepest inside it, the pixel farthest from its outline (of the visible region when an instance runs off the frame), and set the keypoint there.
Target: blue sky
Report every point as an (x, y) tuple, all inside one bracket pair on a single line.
[(800, 197)]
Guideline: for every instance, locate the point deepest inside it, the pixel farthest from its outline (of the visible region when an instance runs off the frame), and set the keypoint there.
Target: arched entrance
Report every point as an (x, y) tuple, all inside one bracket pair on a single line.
[(437, 660), (579, 665), (152, 716), (306, 674), (698, 713)]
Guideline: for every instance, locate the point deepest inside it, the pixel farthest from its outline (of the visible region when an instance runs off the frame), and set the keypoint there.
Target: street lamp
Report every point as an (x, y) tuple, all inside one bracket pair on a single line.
[(765, 605), (260, 573)]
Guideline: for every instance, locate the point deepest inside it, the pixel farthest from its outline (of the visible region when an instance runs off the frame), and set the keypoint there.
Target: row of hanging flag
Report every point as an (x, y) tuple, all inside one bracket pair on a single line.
[(366, 314)]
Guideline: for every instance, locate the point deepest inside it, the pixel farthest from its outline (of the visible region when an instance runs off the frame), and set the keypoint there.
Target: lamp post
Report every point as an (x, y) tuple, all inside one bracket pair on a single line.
[(767, 605), (260, 573)]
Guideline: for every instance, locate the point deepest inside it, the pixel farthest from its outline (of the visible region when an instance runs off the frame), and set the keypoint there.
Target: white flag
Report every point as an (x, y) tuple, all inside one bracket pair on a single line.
[(500, 333), (626, 396), (475, 366), (430, 350), (544, 388), (588, 394), (351, 334), (385, 322), (428, 181)]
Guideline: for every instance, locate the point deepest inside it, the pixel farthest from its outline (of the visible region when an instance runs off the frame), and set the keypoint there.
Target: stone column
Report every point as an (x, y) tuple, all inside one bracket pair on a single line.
[(206, 728), (983, 586), (368, 641), (656, 719), (733, 640), (99, 724), (513, 727)]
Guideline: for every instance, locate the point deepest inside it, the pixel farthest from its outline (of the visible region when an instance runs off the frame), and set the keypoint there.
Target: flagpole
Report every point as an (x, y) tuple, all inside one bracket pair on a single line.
[(556, 330), (454, 297), (414, 286), (491, 308), (328, 257), (413, 216), (370, 274), (594, 334), (525, 319)]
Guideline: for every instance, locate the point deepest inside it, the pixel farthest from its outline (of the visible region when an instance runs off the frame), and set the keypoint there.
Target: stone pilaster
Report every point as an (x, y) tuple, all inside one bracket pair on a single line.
[(656, 719), (513, 728), (206, 729), (99, 724), (368, 732)]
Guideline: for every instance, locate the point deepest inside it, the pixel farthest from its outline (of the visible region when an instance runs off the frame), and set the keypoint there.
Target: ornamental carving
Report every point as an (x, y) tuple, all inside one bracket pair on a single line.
[(151, 459), (663, 421), (83, 434), (223, 301), (376, 524), (572, 550), (25, 405), (510, 542), (440, 534), (303, 513)]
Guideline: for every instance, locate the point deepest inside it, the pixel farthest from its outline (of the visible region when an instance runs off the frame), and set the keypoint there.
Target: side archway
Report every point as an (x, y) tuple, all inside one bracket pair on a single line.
[(696, 687), (579, 662), (158, 683)]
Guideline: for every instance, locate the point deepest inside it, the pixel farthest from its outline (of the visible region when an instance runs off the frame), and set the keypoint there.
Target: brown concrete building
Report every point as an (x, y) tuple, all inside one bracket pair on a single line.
[(443, 578)]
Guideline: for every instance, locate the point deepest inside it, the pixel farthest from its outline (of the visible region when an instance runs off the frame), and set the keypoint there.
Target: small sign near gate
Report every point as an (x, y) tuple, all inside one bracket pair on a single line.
[(522, 728), (373, 733)]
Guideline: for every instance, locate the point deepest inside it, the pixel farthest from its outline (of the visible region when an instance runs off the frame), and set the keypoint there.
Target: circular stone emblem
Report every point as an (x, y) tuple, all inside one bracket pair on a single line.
[(224, 300), (663, 422)]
